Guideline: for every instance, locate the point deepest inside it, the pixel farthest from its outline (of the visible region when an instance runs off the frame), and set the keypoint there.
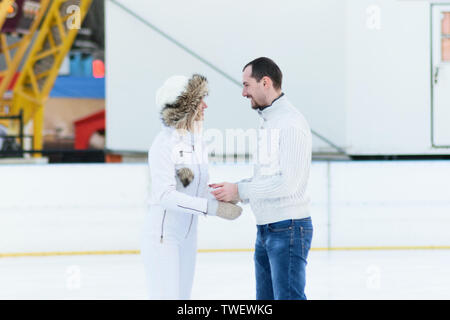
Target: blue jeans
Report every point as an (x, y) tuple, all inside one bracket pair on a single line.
[(281, 251)]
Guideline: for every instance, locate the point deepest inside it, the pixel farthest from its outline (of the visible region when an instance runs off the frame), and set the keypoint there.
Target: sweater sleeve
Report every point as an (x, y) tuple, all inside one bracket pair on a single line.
[(243, 198), (164, 183), (294, 159)]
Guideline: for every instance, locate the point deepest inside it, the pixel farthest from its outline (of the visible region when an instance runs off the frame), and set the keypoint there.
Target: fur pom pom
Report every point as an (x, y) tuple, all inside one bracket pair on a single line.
[(186, 176)]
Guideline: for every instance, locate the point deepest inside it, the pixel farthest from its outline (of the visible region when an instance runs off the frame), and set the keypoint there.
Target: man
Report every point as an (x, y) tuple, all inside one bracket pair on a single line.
[(276, 192)]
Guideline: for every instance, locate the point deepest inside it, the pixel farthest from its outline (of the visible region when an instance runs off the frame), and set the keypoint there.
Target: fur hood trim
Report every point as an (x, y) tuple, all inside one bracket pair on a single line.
[(180, 107)]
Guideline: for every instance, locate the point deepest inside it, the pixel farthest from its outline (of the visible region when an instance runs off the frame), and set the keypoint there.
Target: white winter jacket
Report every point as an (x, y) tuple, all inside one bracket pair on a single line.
[(174, 208)]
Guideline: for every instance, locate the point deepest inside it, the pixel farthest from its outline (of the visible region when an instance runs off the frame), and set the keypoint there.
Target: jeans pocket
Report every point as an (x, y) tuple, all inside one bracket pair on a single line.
[(280, 226), (306, 234)]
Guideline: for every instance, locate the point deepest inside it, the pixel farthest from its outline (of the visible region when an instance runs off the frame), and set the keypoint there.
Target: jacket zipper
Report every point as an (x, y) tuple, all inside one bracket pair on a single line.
[(190, 226), (162, 227), (196, 194), (198, 187)]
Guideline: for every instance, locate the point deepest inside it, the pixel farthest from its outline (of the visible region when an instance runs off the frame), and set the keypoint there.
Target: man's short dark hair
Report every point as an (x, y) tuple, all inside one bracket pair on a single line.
[(265, 67)]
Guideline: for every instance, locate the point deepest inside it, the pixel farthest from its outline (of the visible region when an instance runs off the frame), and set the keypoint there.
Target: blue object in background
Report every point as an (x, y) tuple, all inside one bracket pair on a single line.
[(78, 87), (80, 64), (86, 63), (76, 67)]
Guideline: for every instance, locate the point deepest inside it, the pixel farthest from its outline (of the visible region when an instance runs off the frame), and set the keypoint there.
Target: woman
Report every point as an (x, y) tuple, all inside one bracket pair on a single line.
[(178, 162)]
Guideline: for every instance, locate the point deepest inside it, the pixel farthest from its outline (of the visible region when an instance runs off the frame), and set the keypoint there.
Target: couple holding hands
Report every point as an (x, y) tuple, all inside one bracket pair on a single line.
[(180, 192)]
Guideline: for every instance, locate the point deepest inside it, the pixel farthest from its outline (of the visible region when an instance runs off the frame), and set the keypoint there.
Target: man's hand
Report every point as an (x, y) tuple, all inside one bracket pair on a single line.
[(225, 191)]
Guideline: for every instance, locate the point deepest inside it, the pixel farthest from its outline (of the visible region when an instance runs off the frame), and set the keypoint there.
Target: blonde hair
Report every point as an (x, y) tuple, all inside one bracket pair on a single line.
[(189, 120)]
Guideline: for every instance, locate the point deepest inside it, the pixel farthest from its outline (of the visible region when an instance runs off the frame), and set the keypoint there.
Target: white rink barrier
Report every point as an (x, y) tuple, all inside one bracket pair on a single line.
[(101, 207)]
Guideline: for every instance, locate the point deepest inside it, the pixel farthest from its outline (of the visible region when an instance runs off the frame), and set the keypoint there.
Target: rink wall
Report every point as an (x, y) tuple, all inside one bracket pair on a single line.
[(101, 207)]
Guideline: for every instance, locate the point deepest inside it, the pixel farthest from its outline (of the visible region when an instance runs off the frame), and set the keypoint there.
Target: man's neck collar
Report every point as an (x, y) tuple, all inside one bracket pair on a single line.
[(262, 108)]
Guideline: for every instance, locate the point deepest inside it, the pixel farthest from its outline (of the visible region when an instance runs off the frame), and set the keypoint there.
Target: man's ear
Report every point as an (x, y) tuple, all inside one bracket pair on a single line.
[(267, 82)]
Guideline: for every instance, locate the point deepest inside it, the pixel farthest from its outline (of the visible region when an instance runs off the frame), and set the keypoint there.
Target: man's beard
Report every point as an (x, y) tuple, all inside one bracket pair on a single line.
[(255, 105)]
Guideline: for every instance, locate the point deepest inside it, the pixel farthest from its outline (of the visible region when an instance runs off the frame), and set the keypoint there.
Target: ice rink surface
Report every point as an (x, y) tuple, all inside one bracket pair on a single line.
[(378, 274)]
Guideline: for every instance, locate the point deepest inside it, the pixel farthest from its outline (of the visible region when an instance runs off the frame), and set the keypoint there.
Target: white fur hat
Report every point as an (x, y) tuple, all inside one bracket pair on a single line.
[(171, 90)]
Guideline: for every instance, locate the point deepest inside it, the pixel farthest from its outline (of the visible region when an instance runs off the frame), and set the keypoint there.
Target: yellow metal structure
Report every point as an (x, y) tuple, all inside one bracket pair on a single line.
[(5, 6), (14, 53), (55, 38)]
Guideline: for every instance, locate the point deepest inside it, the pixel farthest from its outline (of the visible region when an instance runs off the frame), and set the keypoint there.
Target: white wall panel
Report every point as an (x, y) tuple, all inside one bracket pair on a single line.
[(388, 77), (304, 39), (392, 203), (48, 208), (362, 81)]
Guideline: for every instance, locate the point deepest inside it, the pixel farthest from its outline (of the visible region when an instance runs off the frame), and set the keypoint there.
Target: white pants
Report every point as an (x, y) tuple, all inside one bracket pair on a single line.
[(170, 265)]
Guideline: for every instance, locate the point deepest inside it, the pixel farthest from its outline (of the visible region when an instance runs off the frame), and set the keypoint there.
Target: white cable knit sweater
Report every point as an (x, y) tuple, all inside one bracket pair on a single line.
[(277, 190)]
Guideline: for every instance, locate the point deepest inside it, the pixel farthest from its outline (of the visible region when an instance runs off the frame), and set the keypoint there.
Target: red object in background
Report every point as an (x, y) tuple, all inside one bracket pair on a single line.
[(113, 158), (86, 127), (98, 69)]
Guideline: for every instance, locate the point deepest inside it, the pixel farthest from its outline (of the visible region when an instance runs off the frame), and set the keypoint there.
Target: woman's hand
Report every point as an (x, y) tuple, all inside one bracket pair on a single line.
[(224, 210)]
